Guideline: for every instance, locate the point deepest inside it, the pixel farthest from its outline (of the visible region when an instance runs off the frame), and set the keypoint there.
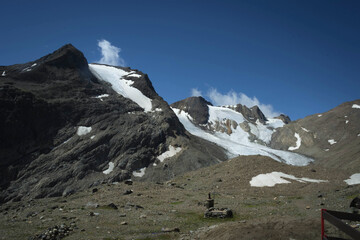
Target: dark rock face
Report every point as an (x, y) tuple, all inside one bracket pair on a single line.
[(58, 136), (331, 138), (286, 119), (251, 114), (197, 107)]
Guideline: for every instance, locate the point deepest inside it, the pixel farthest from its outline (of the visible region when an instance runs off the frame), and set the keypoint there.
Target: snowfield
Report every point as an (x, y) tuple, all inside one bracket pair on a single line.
[(115, 77), (298, 142), (238, 142), (110, 169), (355, 106), (305, 129), (139, 173), (271, 179), (354, 179), (81, 131), (170, 153), (332, 141)]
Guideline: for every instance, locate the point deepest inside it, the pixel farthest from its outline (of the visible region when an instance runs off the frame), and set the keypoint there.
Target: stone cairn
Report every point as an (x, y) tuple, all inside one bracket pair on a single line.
[(212, 212)]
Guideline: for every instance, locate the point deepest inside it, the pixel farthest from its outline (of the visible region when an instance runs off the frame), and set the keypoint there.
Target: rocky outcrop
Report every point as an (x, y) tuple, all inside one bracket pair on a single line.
[(250, 114), (286, 119), (63, 130), (197, 107)]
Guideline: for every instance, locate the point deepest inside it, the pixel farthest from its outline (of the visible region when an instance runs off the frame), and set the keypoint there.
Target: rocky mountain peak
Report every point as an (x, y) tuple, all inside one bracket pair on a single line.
[(251, 114), (197, 107), (66, 57)]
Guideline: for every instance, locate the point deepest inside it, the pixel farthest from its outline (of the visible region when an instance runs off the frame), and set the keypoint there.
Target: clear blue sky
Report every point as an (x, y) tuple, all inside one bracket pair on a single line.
[(301, 57)]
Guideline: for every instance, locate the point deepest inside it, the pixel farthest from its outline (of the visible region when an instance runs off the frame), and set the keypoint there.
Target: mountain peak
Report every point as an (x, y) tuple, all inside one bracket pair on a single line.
[(66, 57), (197, 107)]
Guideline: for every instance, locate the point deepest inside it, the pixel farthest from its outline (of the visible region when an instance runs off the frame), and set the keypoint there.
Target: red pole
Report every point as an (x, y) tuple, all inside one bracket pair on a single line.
[(322, 224)]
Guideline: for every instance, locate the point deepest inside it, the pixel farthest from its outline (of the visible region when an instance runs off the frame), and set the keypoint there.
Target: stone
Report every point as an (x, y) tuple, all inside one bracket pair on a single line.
[(218, 213), (170, 229), (128, 182), (123, 223), (127, 192), (113, 206)]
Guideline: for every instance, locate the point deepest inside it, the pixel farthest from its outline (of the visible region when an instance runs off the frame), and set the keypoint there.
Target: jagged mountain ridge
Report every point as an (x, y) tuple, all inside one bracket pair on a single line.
[(238, 129), (63, 130)]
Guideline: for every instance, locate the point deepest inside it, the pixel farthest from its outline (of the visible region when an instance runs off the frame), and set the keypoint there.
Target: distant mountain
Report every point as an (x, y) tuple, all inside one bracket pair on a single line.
[(238, 129), (66, 125), (331, 138)]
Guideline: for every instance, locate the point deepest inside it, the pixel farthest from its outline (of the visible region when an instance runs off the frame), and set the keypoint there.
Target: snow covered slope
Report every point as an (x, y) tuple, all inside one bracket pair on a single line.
[(117, 78), (230, 130)]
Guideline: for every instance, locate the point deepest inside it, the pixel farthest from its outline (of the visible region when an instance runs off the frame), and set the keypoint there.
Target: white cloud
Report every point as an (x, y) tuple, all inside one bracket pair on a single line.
[(233, 98), (110, 54), (196, 92)]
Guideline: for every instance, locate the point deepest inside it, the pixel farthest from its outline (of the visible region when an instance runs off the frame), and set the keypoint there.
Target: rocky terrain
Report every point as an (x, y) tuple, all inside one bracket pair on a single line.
[(91, 151), (146, 210)]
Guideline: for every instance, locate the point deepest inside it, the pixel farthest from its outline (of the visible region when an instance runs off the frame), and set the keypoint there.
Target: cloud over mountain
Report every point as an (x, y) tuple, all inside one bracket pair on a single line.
[(110, 54), (233, 98)]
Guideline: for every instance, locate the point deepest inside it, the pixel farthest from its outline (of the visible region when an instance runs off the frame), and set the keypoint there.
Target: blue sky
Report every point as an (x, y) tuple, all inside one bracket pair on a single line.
[(292, 57)]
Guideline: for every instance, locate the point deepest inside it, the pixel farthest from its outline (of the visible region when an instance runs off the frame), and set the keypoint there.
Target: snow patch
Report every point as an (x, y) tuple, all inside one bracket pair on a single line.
[(34, 65), (275, 123), (305, 129), (347, 121), (332, 141), (238, 142), (326, 149), (139, 173), (92, 137), (319, 115), (115, 77), (170, 153), (81, 131), (358, 135), (271, 179), (354, 179), (110, 169), (3, 74), (134, 75), (102, 96), (298, 142), (355, 106)]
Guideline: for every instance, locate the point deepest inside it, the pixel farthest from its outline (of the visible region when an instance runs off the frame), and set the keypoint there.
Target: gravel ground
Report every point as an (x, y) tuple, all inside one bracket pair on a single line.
[(174, 209)]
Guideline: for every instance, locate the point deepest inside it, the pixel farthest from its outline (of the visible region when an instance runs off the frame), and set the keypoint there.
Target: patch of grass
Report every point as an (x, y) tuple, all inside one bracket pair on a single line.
[(194, 220), (157, 237), (116, 238), (295, 197), (262, 204), (352, 196), (177, 203)]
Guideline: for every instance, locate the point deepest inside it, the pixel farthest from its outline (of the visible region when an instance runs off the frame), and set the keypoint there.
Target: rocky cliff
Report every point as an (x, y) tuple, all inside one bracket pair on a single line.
[(63, 128)]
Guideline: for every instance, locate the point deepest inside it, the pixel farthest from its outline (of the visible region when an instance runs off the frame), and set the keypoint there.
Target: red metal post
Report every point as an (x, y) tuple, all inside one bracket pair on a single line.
[(322, 224)]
